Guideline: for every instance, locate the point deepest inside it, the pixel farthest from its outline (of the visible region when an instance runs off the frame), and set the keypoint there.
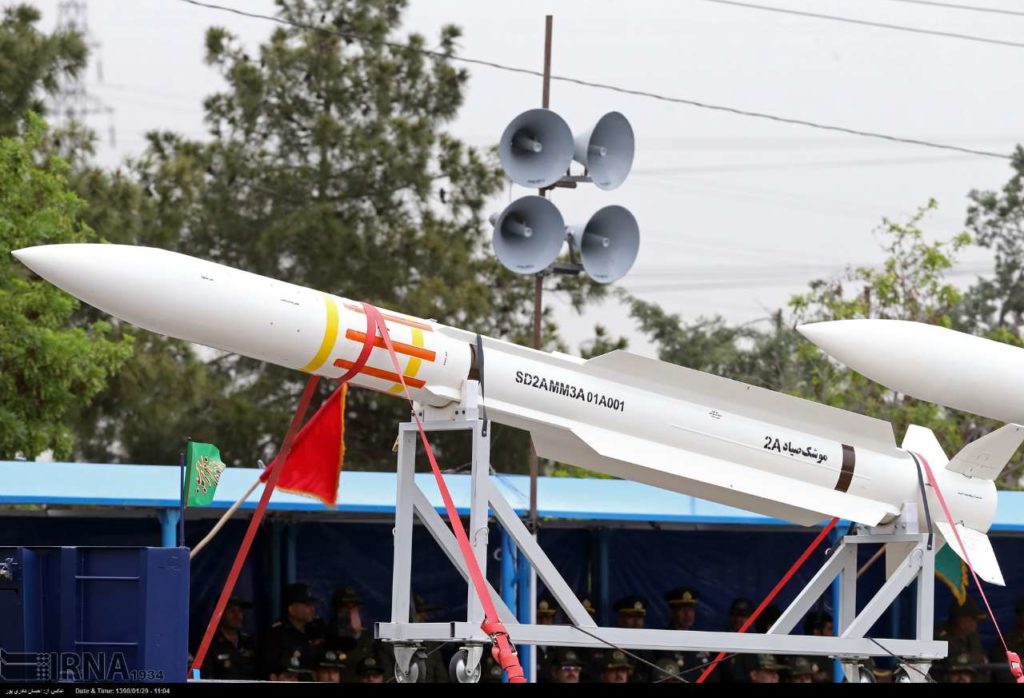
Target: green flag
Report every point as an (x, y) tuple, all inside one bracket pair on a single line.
[(203, 473), (952, 570)]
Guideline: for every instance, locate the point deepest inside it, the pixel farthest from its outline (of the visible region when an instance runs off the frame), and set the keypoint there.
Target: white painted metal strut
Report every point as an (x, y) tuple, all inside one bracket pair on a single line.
[(909, 560)]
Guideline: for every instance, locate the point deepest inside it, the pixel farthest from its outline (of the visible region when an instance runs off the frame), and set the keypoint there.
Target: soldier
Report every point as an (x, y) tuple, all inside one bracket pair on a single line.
[(961, 632), (347, 633), (292, 665), (617, 668), (960, 669), (631, 612), (546, 610), (566, 666), (736, 669), (820, 623), (682, 605), (291, 634), (800, 670), (766, 669), (331, 664), (669, 671), (233, 652), (369, 670), (1014, 641)]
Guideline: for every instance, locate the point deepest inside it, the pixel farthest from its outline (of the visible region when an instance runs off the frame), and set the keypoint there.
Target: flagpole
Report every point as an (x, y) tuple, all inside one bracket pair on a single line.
[(224, 519), (181, 500)]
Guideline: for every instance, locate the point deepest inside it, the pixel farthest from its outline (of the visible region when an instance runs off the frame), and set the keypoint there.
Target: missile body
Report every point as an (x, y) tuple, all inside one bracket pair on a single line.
[(931, 363), (618, 414)]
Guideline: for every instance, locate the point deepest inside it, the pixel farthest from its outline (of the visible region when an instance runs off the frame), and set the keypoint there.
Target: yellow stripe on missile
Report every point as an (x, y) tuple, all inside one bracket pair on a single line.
[(330, 336), (413, 367)]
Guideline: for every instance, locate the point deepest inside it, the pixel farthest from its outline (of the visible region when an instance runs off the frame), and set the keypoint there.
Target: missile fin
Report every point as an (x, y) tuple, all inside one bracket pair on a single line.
[(748, 400), (703, 476), (986, 457), (983, 557), (922, 440)]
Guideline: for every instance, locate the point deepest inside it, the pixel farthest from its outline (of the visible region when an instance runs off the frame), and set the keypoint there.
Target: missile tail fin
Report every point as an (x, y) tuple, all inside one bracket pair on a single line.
[(979, 547), (923, 440), (986, 457)]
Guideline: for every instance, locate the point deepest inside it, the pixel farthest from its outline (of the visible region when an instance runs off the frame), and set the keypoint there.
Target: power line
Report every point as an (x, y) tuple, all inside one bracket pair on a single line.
[(954, 6), (867, 23), (611, 88)]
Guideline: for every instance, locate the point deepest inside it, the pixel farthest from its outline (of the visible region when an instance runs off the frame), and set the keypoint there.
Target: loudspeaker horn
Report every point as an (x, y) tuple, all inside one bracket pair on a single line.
[(536, 148), (607, 150), (528, 234), (608, 243)]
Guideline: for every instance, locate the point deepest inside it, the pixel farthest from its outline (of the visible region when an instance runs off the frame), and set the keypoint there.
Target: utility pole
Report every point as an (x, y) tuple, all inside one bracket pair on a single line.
[(538, 280), (72, 103)]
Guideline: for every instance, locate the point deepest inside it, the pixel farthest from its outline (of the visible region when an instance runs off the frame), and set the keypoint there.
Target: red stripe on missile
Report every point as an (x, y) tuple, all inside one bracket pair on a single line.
[(383, 375)]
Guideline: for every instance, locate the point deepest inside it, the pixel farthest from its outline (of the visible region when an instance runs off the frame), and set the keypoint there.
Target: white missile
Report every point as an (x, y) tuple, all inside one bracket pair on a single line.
[(618, 414), (931, 363)]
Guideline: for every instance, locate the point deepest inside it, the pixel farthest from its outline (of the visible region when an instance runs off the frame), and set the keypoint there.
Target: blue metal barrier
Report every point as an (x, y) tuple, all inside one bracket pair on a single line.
[(94, 614)]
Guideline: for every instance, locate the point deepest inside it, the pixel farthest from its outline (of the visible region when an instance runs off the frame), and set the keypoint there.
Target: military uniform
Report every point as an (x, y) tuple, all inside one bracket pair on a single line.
[(633, 606), (687, 665), (546, 610), (800, 670), (566, 666), (340, 633), (286, 639), (1015, 641), (964, 645), (736, 669), (369, 670), (437, 668), (232, 661), (617, 659)]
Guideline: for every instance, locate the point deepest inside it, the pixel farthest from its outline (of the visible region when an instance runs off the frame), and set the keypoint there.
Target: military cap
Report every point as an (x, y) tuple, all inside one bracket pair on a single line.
[(546, 606), (667, 668), (967, 609), (345, 596), (299, 593), (801, 666), (682, 596), (369, 665), (617, 659), (293, 661), (960, 663), (568, 657), (632, 605), (238, 601), (769, 663), (741, 607), (588, 605), (332, 657)]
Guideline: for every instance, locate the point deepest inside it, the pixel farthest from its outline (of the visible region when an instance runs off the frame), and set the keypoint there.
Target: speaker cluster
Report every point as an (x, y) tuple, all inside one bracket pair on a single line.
[(537, 149)]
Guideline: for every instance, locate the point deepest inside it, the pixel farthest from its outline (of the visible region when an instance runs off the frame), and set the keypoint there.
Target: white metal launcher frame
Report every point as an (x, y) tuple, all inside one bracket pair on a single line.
[(908, 559)]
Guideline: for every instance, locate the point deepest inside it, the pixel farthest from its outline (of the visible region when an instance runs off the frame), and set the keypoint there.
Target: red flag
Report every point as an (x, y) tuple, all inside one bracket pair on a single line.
[(314, 464)]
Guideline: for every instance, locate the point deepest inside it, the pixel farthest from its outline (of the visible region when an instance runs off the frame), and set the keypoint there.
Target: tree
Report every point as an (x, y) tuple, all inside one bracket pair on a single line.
[(329, 167), (997, 221), (46, 368), (31, 62)]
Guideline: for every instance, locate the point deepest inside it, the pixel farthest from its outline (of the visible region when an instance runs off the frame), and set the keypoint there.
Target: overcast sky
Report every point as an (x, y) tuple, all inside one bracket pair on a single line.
[(736, 213)]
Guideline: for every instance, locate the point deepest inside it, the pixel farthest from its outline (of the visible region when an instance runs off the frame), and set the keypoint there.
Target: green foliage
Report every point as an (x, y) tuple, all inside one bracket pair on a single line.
[(329, 167), (31, 61), (997, 221), (46, 369)]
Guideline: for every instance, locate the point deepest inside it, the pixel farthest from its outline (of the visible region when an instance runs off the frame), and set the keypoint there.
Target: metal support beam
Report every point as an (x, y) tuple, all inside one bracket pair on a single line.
[(168, 527)]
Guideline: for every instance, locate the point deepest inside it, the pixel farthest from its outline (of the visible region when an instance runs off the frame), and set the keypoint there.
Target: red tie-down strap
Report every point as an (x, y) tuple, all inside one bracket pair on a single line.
[(773, 593), (268, 489), (503, 650), (1011, 657)]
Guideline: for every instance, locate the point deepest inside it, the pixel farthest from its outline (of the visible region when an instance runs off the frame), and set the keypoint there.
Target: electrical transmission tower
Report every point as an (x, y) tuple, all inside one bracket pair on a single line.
[(72, 102)]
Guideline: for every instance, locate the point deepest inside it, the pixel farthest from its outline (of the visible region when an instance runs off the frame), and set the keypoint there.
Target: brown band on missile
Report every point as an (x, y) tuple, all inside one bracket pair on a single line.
[(846, 475)]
